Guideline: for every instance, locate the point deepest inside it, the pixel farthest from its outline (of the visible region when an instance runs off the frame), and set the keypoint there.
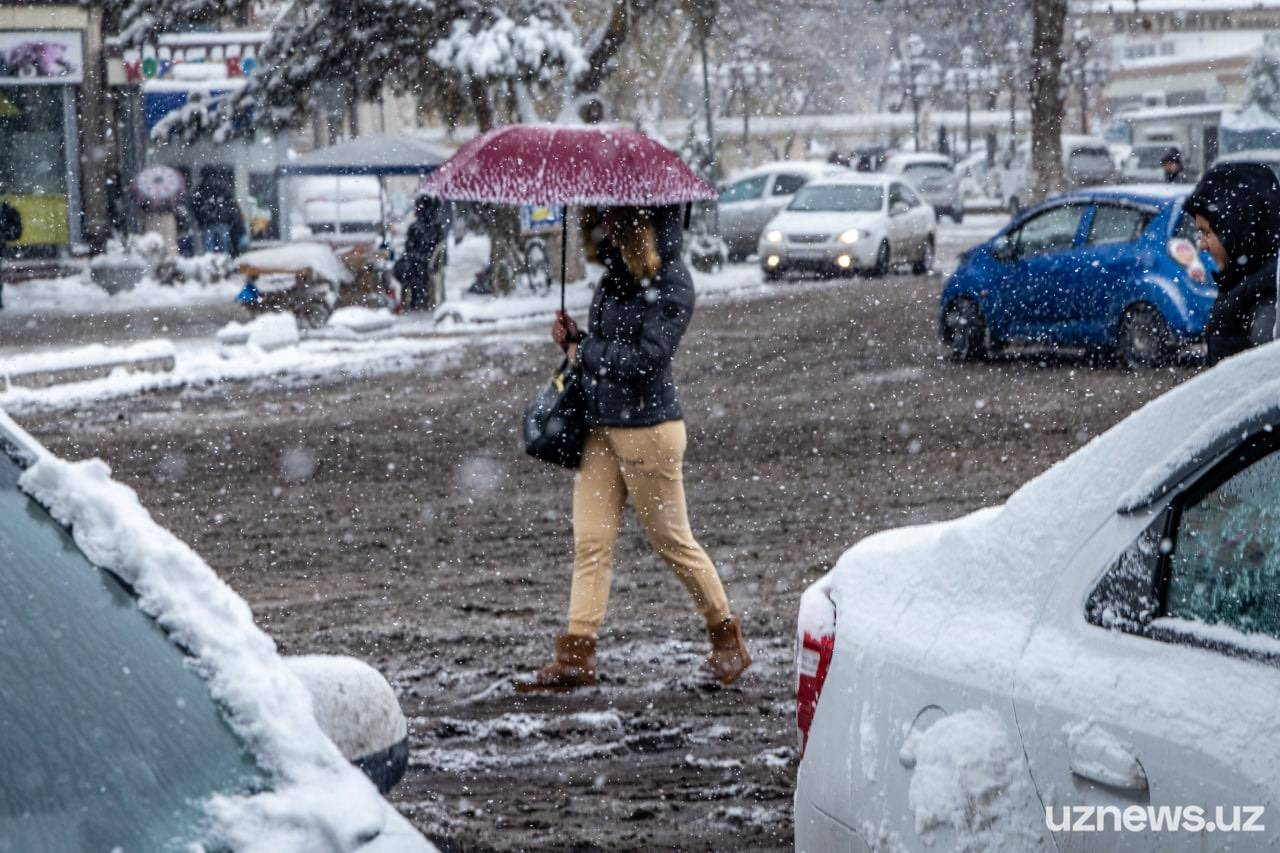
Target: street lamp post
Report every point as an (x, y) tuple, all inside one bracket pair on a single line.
[(740, 76), (1013, 55), (964, 81), (1085, 73), (917, 77)]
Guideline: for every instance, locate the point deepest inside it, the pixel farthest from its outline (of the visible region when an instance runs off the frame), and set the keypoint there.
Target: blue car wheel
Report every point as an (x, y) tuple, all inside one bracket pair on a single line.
[(1143, 339), (964, 329)]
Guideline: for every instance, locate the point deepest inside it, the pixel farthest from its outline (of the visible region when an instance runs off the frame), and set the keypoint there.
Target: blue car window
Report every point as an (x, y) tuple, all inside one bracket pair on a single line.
[(1115, 224), (1051, 231)]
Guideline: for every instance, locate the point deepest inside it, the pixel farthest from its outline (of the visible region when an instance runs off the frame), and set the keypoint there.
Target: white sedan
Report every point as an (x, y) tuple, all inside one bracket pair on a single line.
[(1092, 666), (850, 223), (142, 709)]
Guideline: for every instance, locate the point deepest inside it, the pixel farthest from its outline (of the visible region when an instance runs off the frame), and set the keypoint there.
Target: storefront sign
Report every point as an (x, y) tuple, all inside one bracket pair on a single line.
[(40, 58)]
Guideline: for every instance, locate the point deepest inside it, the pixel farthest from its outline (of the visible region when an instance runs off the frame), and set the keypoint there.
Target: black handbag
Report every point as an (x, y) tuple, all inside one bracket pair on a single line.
[(555, 421)]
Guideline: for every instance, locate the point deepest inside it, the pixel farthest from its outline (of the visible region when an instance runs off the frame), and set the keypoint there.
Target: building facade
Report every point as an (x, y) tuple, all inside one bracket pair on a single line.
[(53, 167)]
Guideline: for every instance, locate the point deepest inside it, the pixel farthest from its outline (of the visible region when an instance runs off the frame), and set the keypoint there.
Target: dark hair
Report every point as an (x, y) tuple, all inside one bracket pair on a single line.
[(1172, 155)]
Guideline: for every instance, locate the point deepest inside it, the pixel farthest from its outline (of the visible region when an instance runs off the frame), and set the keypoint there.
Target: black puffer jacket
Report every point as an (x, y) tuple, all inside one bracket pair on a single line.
[(634, 330), (1241, 201)]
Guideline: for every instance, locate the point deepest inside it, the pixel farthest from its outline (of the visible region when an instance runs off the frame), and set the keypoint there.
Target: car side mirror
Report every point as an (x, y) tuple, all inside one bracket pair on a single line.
[(898, 208), (356, 707), (1002, 248)]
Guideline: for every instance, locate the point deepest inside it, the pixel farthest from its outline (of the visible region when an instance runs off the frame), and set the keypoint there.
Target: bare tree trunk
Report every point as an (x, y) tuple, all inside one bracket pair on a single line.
[(502, 221), (1047, 102), (600, 63)]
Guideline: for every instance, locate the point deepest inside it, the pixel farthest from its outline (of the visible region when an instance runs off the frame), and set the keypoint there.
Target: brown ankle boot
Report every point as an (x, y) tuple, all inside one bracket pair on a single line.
[(574, 667), (729, 657)]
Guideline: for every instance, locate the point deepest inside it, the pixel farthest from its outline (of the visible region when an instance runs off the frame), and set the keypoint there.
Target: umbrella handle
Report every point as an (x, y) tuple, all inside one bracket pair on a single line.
[(564, 250)]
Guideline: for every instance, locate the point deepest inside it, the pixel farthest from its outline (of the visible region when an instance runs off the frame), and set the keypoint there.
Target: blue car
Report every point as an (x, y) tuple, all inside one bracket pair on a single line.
[(1114, 270)]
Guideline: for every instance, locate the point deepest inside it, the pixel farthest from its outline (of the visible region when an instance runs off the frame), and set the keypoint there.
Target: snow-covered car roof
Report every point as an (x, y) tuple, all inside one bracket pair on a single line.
[(812, 168), (983, 576), (875, 179), (1252, 155), (911, 159), (316, 799), (1150, 192)]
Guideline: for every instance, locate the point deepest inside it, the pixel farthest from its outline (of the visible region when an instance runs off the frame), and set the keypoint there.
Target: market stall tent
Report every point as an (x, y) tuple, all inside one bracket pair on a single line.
[(376, 155)]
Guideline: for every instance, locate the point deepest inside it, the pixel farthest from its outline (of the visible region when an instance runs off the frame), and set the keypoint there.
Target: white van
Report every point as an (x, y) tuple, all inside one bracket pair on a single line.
[(1086, 161)]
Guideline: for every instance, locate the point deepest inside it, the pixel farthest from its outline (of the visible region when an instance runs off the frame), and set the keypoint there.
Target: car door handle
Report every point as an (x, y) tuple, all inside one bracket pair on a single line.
[(1099, 756)]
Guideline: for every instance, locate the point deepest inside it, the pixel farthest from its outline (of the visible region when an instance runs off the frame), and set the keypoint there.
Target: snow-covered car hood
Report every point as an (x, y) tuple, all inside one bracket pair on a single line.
[(317, 800), (824, 222), (984, 575)]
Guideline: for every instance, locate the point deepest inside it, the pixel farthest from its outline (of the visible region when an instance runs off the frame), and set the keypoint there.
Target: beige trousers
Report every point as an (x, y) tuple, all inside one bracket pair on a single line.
[(644, 464)]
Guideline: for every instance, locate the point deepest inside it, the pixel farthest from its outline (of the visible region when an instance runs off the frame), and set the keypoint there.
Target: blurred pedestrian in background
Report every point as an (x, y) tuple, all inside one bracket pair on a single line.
[(422, 263), (10, 232), (217, 215), (1237, 211), (1171, 163)]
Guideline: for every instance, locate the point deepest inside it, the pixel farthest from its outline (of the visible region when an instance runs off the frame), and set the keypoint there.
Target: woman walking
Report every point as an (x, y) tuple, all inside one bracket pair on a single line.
[(635, 449)]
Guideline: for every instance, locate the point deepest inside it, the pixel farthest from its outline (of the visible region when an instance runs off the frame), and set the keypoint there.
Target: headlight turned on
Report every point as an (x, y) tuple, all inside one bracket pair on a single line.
[(850, 236), (773, 237)]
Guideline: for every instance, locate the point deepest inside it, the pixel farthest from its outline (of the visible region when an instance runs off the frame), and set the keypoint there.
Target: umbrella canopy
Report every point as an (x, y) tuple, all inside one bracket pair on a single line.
[(374, 154), (157, 188), (550, 164)]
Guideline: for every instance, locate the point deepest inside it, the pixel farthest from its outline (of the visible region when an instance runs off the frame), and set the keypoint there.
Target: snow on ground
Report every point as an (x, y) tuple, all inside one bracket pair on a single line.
[(79, 295), (197, 363)]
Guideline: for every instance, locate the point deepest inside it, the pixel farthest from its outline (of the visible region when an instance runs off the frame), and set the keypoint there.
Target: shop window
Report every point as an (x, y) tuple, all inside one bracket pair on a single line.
[(33, 172)]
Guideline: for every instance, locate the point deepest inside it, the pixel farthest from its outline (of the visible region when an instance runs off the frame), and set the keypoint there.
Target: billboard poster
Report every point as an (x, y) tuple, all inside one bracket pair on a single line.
[(41, 57)]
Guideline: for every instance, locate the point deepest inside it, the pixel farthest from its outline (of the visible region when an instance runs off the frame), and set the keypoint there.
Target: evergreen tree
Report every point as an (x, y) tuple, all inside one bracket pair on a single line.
[(1262, 87)]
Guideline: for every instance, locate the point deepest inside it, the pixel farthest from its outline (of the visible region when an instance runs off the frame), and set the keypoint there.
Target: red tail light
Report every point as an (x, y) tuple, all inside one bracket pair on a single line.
[(815, 643), (1185, 253)]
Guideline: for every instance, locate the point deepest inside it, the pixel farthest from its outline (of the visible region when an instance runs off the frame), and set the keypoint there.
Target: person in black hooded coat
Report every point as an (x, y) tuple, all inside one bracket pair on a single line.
[(634, 451), (1237, 210)]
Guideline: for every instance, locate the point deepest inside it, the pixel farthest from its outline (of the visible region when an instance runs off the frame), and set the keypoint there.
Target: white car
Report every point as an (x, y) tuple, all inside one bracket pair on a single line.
[(142, 709), (933, 178), (752, 198), (1105, 642), (849, 223), (1086, 161)]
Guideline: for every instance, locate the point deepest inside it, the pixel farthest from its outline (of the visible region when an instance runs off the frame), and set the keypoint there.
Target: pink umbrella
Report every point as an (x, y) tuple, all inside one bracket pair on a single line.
[(551, 164), (157, 188)]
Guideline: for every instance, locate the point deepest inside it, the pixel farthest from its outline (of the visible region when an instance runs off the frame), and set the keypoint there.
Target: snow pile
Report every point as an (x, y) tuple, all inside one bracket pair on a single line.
[(198, 364), (84, 358), (318, 801), (295, 258), (267, 332), (357, 318), (968, 778)]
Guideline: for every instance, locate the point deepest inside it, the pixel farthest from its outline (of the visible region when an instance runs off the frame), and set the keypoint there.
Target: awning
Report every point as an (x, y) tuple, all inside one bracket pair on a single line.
[(375, 154)]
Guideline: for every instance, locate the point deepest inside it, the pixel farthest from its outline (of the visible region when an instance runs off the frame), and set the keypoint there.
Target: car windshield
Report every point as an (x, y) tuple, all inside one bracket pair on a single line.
[(109, 739), (836, 198), (1090, 159)]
